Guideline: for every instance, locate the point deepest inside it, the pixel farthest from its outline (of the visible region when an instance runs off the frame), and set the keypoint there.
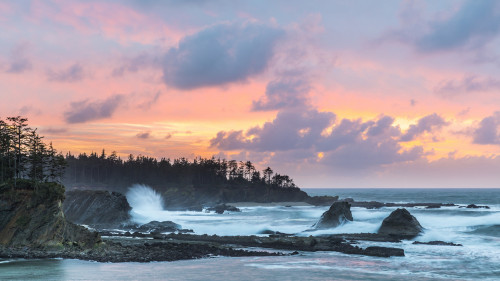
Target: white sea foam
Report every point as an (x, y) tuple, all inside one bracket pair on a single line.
[(146, 203)]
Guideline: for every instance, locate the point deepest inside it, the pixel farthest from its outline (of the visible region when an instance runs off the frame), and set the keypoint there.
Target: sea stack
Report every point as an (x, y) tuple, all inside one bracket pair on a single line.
[(338, 214), (402, 224)]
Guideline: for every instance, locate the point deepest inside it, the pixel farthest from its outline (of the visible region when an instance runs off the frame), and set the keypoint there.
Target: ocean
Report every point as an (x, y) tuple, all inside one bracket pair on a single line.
[(478, 230)]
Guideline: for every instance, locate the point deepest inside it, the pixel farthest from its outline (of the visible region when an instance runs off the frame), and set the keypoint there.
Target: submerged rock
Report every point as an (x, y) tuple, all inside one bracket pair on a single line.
[(219, 209), (400, 223), (97, 208), (339, 213), (440, 243)]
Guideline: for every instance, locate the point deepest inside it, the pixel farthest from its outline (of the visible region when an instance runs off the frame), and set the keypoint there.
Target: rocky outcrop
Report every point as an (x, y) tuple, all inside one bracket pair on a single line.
[(338, 214), (220, 208), (96, 208), (323, 200), (436, 243), (400, 223), (159, 227), (474, 206), (190, 198), (33, 217)]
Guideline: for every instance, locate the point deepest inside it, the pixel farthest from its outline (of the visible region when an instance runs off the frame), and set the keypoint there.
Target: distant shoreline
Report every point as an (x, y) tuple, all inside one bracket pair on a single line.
[(271, 204)]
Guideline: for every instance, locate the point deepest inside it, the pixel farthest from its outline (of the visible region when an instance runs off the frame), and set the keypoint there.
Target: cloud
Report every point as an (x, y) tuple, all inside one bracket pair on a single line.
[(19, 62), (476, 23), (220, 54), (290, 130), (84, 111), (487, 132), (136, 63), (143, 135), (425, 125), (151, 101), (73, 73), (19, 65), (311, 135), (468, 84), (55, 131), (286, 92)]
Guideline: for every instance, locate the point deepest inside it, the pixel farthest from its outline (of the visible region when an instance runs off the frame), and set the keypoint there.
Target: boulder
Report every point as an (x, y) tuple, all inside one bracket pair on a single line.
[(338, 214), (219, 209), (400, 223), (159, 227)]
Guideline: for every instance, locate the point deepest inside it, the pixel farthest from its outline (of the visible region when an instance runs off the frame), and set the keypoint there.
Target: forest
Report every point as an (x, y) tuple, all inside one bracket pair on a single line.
[(24, 155), (111, 172)]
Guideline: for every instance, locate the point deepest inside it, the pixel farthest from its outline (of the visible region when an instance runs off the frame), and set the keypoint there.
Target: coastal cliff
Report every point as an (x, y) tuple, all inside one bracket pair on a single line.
[(31, 215), (96, 208)]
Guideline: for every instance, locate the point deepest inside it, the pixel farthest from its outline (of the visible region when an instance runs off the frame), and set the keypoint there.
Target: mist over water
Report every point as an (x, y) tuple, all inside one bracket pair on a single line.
[(478, 230), (146, 203)]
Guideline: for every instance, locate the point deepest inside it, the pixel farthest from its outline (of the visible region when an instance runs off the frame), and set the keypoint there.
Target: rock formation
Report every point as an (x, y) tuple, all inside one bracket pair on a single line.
[(96, 208), (220, 208), (400, 223), (339, 213), (33, 217)]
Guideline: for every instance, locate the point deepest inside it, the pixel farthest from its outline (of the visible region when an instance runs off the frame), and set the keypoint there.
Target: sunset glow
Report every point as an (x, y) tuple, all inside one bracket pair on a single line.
[(332, 93)]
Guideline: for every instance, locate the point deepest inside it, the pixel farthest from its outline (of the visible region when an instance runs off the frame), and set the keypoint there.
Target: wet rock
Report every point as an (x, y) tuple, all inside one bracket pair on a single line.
[(474, 206), (384, 252), (400, 223), (440, 243), (339, 213), (159, 227), (219, 209)]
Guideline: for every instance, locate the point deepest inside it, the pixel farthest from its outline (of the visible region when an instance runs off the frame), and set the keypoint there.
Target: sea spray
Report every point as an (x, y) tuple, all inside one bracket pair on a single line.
[(146, 203)]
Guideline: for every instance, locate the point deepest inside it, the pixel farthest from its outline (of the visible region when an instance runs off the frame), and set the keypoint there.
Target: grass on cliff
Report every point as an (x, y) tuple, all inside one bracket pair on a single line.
[(42, 192)]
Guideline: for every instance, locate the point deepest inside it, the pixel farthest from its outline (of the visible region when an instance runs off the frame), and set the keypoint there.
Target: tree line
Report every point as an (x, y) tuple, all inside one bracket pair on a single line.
[(110, 171), (24, 155)]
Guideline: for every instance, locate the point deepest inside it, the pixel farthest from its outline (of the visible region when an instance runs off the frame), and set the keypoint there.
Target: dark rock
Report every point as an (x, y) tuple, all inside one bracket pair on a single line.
[(324, 200), (474, 206), (440, 243), (384, 252), (350, 200), (339, 213), (219, 209), (96, 208), (400, 223), (155, 227), (34, 218)]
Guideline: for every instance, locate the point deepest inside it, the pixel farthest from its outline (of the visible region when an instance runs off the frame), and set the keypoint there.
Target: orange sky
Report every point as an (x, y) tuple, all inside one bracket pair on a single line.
[(386, 99)]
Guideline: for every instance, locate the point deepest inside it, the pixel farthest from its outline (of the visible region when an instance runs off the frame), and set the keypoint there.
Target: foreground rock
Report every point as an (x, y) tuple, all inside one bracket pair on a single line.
[(31, 216), (96, 208), (220, 208), (400, 223), (338, 214), (134, 250), (292, 243)]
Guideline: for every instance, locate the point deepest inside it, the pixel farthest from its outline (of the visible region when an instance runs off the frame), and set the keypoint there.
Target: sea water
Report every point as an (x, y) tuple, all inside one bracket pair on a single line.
[(478, 230)]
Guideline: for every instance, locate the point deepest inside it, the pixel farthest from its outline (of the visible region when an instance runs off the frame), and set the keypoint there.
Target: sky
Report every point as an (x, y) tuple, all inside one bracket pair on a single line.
[(332, 93)]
